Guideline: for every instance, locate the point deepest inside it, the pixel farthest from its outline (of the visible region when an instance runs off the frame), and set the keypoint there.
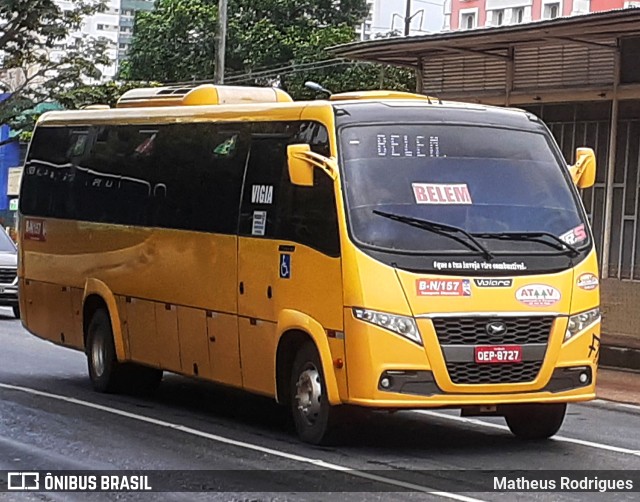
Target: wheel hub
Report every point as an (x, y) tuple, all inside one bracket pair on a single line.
[(308, 394), (97, 356)]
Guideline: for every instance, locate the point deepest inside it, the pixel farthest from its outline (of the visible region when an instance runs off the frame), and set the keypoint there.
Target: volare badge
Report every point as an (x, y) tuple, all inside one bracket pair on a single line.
[(588, 281), (493, 283), (538, 295)]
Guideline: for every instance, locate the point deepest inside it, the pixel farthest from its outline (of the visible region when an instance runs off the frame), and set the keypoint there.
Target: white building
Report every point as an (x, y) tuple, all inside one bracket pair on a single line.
[(427, 16), (101, 25)]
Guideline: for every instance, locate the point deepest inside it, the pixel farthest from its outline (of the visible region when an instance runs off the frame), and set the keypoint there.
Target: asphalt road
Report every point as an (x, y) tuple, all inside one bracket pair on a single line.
[(51, 419)]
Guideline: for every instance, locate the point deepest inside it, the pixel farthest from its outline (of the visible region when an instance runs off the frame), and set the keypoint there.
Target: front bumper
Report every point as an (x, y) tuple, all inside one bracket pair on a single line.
[(375, 352), (8, 295)]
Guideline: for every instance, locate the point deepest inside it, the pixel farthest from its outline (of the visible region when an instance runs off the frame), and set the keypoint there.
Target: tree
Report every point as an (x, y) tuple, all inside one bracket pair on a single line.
[(269, 41), (30, 31)]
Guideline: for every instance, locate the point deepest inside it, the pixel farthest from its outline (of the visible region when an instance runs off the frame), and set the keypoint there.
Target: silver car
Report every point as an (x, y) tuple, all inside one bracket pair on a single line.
[(8, 273)]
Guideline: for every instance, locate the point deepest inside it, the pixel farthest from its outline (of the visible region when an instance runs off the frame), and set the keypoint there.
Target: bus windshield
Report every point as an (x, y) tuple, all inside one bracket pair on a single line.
[(501, 186)]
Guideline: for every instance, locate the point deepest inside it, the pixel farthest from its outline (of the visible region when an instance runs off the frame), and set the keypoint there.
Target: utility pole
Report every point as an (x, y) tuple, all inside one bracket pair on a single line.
[(221, 42), (407, 19)]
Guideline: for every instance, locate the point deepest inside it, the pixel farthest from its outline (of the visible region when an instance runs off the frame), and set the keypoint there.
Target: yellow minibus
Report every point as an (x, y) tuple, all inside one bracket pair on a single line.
[(377, 250)]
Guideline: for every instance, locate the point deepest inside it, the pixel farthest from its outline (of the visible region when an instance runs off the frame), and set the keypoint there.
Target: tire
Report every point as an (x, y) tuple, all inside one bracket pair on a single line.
[(16, 311), (105, 372), (313, 416), (535, 421)]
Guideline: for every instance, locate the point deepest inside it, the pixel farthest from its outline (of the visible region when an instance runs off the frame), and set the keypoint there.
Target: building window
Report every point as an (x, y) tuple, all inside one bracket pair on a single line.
[(518, 15), (551, 10), (468, 21), (498, 17)]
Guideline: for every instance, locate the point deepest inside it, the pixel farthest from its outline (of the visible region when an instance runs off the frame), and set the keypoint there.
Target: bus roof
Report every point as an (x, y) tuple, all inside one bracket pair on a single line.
[(228, 103)]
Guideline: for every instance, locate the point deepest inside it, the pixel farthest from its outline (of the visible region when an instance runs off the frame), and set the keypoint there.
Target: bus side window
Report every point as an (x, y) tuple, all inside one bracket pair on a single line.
[(48, 174), (260, 197), (199, 169), (308, 214)]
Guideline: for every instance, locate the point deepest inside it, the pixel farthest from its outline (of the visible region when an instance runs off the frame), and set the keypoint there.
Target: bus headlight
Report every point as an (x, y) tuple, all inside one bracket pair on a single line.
[(401, 325), (581, 321)]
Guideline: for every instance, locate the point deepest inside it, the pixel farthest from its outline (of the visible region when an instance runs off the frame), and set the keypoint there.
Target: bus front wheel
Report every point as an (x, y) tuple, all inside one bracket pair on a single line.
[(312, 414), (535, 421)]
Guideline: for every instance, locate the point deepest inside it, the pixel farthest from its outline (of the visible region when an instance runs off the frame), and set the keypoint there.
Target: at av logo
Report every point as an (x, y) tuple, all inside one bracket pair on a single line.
[(538, 295), (23, 481)]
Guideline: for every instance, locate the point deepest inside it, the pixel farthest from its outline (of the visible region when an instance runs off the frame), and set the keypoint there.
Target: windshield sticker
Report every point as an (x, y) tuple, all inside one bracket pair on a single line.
[(406, 145), (575, 235), (493, 283), (443, 287), (538, 295), (259, 223), (588, 281), (261, 194), (434, 193), (478, 265)]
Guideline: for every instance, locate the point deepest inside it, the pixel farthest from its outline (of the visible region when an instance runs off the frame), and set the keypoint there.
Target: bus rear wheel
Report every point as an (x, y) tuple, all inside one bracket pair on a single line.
[(105, 372), (109, 375), (535, 421), (313, 416)]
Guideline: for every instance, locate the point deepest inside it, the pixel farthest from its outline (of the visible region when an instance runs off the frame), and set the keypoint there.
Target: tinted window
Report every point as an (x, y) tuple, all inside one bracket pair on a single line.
[(273, 207), (185, 176), (49, 173)]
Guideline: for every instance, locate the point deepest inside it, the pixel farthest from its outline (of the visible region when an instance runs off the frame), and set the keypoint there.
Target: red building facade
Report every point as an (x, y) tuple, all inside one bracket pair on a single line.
[(470, 14)]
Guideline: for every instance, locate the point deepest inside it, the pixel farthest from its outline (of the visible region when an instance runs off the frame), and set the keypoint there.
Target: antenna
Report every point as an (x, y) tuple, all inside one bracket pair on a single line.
[(314, 86)]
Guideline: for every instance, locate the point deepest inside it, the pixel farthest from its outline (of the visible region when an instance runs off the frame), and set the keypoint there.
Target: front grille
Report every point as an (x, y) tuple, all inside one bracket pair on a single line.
[(472, 373), (7, 275), (473, 330)]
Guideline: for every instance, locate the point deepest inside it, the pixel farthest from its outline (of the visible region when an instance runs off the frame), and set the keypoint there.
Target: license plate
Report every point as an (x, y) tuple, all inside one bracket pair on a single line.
[(498, 354)]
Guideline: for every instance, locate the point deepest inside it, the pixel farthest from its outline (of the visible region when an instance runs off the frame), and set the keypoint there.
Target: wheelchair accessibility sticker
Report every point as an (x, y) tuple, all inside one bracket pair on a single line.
[(285, 266)]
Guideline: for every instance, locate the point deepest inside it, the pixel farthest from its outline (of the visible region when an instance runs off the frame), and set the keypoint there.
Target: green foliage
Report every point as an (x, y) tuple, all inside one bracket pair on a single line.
[(268, 41), (29, 31), (175, 41)]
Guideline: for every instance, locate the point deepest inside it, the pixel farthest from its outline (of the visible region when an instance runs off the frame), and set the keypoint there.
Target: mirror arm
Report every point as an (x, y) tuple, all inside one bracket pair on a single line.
[(578, 168), (328, 165)]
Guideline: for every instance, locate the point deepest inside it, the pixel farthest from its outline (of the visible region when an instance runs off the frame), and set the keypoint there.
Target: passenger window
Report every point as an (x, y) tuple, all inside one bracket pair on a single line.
[(273, 207)]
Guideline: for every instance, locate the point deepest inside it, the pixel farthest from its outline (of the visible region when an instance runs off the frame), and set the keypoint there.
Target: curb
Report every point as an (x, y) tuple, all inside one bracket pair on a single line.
[(613, 356)]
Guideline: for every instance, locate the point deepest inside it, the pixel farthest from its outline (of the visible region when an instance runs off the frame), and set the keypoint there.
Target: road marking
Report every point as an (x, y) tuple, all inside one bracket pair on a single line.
[(563, 439), (616, 404), (242, 444)]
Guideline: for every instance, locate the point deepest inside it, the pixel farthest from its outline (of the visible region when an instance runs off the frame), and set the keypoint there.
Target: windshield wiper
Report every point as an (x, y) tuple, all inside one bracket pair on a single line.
[(557, 243), (440, 229)]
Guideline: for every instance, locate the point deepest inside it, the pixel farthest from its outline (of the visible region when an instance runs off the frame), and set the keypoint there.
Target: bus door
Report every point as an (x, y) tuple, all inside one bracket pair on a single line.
[(258, 266)]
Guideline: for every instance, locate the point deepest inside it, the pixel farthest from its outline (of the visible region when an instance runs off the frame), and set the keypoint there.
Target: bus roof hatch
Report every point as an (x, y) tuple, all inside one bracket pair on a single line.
[(206, 94)]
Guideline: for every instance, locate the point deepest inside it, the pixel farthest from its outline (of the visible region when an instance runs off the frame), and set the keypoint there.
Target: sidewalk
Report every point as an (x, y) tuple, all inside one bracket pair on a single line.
[(619, 386), (620, 351)]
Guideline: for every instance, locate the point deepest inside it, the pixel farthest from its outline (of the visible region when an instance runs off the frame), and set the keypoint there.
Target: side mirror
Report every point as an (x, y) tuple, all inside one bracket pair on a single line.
[(583, 172), (301, 161), (300, 169)]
